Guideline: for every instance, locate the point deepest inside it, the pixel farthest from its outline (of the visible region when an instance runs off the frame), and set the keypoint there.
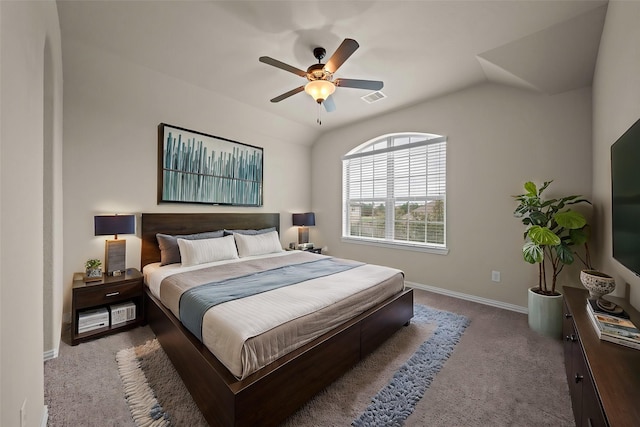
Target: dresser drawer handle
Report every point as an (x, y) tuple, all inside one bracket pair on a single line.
[(568, 316), (571, 338), (579, 378), (112, 294)]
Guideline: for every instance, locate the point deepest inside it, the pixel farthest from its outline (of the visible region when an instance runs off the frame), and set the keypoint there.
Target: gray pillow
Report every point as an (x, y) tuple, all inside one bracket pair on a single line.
[(169, 250), (250, 232)]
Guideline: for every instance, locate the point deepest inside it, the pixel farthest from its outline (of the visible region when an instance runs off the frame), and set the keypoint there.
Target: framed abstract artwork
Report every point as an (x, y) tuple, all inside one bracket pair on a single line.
[(194, 167)]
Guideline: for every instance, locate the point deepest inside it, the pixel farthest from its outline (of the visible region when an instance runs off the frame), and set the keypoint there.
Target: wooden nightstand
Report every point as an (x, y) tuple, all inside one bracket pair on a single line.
[(110, 290), (314, 250)]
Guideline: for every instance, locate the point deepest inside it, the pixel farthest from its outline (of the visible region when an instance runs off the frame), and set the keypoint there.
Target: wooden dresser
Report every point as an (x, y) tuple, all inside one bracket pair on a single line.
[(603, 378)]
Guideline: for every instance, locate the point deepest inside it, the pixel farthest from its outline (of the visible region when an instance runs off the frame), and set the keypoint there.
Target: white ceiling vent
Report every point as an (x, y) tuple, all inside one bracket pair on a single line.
[(374, 97)]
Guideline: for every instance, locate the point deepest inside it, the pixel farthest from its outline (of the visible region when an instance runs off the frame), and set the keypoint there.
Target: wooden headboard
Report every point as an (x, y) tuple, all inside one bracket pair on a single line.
[(189, 223)]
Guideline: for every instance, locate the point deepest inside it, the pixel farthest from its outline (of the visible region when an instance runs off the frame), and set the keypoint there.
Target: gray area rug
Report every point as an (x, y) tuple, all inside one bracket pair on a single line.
[(381, 390)]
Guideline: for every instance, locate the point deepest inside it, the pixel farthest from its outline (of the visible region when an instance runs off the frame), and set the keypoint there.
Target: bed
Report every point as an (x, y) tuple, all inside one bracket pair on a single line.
[(269, 394)]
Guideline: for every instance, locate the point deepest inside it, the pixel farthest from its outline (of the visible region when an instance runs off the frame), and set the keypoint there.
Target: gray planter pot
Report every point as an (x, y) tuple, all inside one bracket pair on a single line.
[(94, 272), (545, 314)]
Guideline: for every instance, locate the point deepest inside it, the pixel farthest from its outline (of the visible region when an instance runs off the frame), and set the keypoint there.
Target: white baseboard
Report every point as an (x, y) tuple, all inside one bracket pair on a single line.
[(50, 354), (45, 416), (460, 295)]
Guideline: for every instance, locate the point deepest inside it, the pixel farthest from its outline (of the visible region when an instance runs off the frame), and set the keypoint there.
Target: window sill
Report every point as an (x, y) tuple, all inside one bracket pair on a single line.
[(402, 246)]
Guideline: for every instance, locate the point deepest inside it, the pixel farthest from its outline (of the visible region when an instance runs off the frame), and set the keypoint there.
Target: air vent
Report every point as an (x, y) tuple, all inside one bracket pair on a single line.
[(374, 97)]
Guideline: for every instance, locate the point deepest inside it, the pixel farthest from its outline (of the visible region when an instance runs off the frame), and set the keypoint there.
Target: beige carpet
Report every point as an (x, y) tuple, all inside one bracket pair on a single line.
[(500, 374)]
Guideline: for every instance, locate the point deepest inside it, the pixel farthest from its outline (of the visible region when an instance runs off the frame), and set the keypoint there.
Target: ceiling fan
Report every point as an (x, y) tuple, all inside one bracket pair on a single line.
[(320, 76)]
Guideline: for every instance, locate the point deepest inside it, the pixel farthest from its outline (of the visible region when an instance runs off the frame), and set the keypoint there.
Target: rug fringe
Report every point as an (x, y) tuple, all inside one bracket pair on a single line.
[(145, 409)]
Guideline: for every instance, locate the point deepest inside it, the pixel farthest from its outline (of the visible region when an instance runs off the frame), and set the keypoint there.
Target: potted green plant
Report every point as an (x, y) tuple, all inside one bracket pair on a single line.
[(93, 268), (552, 230)]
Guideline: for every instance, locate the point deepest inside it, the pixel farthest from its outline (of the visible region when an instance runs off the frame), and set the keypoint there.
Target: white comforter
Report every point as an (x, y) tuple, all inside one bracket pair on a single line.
[(249, 333)]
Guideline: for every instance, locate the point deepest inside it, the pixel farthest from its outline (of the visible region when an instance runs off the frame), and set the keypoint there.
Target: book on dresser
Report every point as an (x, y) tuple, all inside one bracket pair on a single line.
[(615, 329)]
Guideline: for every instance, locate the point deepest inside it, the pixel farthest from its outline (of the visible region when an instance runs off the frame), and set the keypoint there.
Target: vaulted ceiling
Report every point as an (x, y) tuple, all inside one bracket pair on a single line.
[(419, 49)]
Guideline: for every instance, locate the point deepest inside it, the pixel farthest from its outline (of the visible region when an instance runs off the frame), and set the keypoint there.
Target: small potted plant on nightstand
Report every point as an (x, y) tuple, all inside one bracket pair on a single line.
[(93, 269), (552, 229)]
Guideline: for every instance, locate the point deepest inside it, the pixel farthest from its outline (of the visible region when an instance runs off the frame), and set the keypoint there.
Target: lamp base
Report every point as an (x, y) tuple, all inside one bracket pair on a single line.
[(303, 235), (115, 256)]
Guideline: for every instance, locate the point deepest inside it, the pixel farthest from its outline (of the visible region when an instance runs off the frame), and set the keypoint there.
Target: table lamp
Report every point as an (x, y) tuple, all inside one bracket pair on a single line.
[(114, 250), (303, 221)]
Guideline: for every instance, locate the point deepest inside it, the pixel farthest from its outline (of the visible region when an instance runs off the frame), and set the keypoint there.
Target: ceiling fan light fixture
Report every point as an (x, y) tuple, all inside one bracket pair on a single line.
[(320, 89)]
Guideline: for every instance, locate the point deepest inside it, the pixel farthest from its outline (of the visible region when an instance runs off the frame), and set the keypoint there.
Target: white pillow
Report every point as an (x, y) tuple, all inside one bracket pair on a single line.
[(194, 252), (258, 244)]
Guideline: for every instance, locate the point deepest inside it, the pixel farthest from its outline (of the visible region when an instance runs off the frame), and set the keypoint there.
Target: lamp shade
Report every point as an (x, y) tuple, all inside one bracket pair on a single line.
[(320, 89), (304, 219), (114, 224)]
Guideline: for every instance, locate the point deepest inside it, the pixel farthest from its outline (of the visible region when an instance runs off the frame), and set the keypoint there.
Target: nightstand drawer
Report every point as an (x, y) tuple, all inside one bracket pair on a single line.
[(106, 294)]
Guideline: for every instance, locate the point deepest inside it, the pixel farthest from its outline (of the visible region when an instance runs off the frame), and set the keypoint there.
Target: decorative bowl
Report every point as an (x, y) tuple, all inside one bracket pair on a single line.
[(597, 283)]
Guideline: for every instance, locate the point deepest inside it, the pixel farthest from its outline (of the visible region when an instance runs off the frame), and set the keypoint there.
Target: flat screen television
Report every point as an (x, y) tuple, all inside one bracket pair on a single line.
[(625, 197)]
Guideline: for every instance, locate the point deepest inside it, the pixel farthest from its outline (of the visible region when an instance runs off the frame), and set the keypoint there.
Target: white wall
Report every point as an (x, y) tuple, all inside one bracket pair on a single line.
[(24, 28), (616, 106), (498, 138), (112, 109)]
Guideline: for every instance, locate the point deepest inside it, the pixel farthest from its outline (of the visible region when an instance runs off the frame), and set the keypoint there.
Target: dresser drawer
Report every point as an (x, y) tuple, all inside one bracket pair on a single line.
[(106, 294)]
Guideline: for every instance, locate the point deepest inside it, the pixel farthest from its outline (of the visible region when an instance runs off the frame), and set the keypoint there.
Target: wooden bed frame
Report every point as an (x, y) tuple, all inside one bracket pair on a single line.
[(270, 395)]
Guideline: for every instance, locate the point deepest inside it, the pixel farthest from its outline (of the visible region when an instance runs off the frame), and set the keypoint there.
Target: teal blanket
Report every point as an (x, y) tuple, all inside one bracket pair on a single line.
[(195, 302)]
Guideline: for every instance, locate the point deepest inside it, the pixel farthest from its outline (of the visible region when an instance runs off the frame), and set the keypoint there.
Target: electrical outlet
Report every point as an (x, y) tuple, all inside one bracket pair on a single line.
[(23, 414), (495, 276)]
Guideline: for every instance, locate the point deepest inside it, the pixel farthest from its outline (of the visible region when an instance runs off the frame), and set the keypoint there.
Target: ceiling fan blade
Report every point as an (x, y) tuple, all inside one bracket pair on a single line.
[(282, 66), (359, 84), (345, 50), (288, 94), (329, 105)]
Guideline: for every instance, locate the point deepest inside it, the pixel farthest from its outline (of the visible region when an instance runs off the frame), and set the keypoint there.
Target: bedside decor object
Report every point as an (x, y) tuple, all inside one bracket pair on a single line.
[(303, 221), (114, 250), (194, 167), (93, 270)]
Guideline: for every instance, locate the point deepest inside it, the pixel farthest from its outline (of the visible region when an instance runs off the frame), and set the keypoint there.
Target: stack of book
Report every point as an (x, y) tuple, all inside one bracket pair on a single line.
[(615, 328)]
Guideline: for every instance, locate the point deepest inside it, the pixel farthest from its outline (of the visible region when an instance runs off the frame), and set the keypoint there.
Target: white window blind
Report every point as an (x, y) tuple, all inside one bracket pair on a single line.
[(394, 190)]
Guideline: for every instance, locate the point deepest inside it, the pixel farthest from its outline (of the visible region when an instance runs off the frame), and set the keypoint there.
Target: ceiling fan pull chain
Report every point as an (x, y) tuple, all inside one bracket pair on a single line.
[(319, 111)]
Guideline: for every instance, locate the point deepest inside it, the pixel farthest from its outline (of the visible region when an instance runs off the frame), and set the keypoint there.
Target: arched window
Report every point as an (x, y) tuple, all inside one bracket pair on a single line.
[(393, 192)]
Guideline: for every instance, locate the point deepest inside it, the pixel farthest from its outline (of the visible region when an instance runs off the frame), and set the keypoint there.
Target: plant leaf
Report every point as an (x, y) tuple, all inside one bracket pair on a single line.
[(538, 218), (532, 253), (565, 254), (579, 236), (570, 219), (579, 201), (531, 188), (543, 236)]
